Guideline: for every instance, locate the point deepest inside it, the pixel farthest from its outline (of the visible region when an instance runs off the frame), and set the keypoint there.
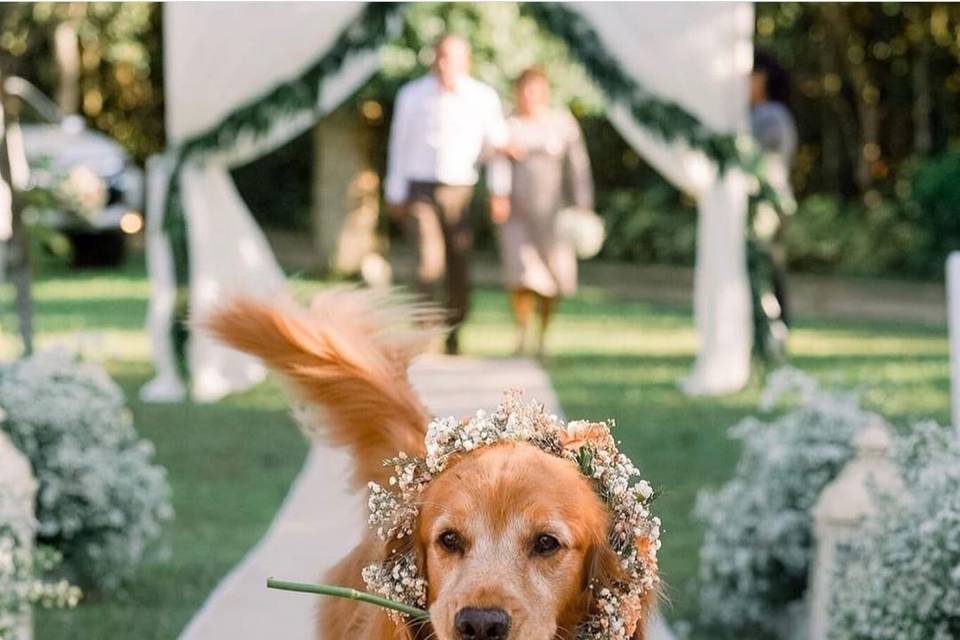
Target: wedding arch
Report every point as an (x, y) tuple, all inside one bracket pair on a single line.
[(244, 78)]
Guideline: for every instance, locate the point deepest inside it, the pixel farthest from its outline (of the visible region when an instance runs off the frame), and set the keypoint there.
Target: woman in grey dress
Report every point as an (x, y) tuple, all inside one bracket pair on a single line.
[(550, 171)]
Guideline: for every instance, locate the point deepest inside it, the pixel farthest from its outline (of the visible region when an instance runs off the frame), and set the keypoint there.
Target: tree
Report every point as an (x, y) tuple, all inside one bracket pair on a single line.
[(103, 60), (874, 86)]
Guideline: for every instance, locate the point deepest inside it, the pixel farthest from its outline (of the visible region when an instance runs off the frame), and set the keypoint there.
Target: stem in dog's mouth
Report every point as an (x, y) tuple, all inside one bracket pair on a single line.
[(350, 594)]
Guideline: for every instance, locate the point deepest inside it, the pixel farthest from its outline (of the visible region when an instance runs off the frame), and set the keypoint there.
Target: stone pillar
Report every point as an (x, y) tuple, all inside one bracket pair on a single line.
[(346, 192), (841, 509), (17, 492)]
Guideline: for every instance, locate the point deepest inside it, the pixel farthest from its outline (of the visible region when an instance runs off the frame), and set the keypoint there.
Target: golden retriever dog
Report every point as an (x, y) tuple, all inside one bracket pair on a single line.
[(510, 539)]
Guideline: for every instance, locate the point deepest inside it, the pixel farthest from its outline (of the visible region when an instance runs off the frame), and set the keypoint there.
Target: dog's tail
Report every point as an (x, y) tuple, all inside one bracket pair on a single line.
[(347, 355)]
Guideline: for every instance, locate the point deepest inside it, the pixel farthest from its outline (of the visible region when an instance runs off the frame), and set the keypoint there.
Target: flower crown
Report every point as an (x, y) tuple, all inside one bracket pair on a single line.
[(634, 534)]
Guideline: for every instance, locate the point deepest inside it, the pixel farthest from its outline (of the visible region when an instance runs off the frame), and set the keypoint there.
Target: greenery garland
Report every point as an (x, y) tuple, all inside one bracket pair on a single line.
[(371, 30), (254, 119), (672, 122), (666, 118)]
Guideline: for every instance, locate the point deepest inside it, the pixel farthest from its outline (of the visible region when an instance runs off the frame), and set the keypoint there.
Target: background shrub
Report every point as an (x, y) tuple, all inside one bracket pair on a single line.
[(757, 545), (101, 500), (900, 577)]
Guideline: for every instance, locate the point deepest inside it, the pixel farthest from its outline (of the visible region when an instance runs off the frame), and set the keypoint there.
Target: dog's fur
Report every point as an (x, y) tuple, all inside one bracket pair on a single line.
[(349, 355)]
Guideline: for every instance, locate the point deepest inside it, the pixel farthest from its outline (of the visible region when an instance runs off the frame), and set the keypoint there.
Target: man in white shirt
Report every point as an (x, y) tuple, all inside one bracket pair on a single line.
[(445, 125)]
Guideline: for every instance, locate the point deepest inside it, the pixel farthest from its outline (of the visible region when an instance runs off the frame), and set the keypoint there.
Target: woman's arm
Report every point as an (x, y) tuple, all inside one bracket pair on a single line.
[(496, 139)]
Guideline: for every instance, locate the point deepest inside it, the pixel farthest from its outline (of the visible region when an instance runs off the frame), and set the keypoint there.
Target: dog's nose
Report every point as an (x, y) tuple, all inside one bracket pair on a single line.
[(482, 624)]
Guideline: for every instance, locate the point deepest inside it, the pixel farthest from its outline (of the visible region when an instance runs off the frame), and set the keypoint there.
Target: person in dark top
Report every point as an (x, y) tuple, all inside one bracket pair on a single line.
[(775, 131)]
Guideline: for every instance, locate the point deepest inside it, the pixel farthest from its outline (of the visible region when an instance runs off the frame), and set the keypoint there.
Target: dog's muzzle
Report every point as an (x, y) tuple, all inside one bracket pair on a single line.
[(473, 623)]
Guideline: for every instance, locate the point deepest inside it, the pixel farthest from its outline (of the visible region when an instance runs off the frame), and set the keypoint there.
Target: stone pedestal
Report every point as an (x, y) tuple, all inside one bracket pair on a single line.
[(17, 492), (840, 511)]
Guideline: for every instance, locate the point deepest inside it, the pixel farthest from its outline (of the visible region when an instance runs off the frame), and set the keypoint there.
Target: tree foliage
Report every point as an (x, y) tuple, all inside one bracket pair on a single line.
[(504, 40), (120, 75), (875, 90), (873, 86)]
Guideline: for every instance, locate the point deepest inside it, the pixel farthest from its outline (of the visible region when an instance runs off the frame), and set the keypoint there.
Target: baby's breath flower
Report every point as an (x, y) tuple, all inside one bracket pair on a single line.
[(757, 547), (900, 576), (101, 498)]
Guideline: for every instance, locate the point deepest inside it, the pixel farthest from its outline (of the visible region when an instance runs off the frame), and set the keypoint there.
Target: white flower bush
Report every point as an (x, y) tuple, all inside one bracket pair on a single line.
[(22, 567), (101, 501), (899, 578), (21, 583), (758, 538)]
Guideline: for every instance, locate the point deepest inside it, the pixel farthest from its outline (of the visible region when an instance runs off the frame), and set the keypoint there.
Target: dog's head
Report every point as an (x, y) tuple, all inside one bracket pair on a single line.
[(510, 540)]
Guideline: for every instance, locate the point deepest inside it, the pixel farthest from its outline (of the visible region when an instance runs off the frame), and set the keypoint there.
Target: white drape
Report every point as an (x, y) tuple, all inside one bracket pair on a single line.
[(698, 55), (219, 56), (166, 385)]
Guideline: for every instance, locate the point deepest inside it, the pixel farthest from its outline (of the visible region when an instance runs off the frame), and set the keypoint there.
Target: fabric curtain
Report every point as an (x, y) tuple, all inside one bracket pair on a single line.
[(166, 385), (219, 56), (699, 55)]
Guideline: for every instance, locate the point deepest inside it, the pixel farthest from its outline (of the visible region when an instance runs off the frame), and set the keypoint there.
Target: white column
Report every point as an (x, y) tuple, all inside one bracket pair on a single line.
[(721, 288), (229, 256), (953, 324)]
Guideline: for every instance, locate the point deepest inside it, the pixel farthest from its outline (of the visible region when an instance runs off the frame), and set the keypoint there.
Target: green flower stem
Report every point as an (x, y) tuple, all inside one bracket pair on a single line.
[(350, 594)]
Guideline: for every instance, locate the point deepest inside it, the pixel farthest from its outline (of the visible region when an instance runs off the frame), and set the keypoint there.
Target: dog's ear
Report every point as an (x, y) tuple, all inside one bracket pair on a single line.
[(419, 550), (411, 630), (603, 569), (400, 546), (408, 545), (603, 566)]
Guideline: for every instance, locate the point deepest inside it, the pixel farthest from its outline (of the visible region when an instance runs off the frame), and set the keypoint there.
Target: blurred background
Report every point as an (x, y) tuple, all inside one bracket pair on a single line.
[(874, 89)]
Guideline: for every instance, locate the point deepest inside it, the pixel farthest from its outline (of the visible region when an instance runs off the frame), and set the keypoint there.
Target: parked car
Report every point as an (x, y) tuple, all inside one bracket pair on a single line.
[(85, 184)]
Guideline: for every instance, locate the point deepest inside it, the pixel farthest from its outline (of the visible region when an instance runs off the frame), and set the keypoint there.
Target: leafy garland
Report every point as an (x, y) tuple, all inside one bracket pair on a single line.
[(371, 30), (254, 120), (664, 117)]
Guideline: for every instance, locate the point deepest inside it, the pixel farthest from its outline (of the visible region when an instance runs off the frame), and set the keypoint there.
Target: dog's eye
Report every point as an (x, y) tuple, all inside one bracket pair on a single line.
[(451, 541), (545, 545)]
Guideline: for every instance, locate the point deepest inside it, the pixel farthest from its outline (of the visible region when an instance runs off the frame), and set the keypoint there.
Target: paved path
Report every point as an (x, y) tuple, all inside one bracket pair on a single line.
[(320, 520)]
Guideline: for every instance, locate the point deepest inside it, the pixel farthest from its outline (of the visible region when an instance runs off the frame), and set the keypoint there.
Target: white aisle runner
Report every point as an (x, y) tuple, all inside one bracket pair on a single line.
[(320, 520)]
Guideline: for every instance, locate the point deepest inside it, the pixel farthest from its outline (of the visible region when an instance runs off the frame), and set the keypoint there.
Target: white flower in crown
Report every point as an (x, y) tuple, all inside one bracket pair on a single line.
[(634, 534)]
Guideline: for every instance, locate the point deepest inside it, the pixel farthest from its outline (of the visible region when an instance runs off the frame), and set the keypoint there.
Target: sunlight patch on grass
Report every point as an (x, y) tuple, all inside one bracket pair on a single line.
[(98, 346), (824, 342)]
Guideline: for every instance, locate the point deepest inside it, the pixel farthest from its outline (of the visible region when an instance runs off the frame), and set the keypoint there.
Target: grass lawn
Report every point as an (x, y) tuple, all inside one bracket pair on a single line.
[(231, 463)]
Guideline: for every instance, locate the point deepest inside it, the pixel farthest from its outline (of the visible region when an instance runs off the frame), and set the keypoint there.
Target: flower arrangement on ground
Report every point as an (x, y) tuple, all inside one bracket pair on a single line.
[(101, 500), (22, 584), (757, 546), (900, 577), (21, 566)]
